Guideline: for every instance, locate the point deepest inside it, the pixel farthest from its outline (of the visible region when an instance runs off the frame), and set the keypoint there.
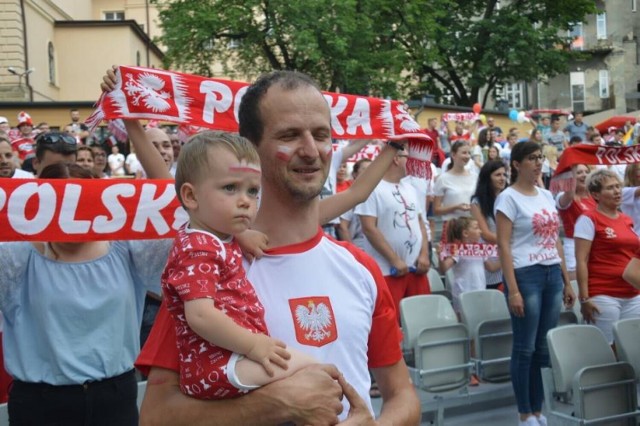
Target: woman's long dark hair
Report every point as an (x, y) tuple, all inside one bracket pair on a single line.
[(485, 194)]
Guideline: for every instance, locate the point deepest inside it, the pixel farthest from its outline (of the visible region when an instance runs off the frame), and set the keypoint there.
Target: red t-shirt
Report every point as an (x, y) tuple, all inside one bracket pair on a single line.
[(612, 247), (456, 137), (570, 215), (24, 147)]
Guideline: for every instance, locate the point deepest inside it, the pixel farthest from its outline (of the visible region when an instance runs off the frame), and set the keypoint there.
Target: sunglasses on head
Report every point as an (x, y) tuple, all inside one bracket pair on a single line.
[(54, 138)]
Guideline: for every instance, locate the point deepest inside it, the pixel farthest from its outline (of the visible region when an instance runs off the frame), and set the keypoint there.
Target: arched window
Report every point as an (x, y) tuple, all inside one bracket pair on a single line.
[(52, 63)]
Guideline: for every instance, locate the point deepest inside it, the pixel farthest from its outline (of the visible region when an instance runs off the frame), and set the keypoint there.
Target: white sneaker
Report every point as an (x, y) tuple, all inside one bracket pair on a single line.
[(542, 420), (530, 421)]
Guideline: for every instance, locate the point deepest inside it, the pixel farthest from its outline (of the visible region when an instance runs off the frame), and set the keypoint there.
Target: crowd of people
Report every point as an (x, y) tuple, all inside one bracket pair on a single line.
[(311, 318)]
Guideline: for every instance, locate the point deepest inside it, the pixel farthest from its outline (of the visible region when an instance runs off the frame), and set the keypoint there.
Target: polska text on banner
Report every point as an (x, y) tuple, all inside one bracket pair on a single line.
[(154, 94), (469, 250), (88, 209), (369, 152)]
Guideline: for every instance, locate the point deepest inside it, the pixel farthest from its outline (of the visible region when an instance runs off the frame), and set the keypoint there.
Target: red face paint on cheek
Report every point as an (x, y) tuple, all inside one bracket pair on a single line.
[(284, 153)]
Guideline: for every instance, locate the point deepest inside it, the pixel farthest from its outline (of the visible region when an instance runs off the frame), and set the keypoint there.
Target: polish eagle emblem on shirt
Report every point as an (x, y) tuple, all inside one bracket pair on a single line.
[(314, 320)]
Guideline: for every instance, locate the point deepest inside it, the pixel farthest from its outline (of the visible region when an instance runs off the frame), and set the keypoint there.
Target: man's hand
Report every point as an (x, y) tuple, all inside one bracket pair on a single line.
[(422, 264), (359, 413), (267, 351), (311, 395)]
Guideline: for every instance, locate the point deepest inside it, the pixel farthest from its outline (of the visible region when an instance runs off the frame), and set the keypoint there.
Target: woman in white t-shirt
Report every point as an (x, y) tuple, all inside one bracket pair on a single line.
[(454, 188), (631, 195), (535, 276)]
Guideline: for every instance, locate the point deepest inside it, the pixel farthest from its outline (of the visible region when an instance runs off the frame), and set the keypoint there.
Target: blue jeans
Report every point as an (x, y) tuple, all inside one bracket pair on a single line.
[(541, 289)]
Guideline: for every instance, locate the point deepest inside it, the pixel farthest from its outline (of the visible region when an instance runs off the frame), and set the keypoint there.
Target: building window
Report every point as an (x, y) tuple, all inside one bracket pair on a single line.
[(601, 26), (514, 94), (576, 37), (52, 63), (577, 91), (114, 16), (603, 77)]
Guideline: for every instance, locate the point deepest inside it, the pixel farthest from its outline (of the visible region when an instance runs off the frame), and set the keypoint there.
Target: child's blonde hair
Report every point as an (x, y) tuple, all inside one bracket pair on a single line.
[(193, 162), (456, 228)]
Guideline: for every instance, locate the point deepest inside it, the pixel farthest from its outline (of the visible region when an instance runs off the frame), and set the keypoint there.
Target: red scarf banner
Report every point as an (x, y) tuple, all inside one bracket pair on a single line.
[(460, 116), (153, 94), (590, 154), (88, 209)]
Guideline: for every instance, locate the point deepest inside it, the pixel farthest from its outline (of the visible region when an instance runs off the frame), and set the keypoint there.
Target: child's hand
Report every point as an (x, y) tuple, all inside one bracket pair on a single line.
[(253, 243), (267, 351)]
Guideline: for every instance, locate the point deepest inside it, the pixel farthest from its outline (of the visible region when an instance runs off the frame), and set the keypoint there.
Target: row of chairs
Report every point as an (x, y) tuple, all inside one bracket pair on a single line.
[(586, 384)]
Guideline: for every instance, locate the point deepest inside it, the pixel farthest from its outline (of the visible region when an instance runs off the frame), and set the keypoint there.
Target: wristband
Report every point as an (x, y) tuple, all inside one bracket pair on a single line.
[(514, 295), (396, 145), (584, 300)]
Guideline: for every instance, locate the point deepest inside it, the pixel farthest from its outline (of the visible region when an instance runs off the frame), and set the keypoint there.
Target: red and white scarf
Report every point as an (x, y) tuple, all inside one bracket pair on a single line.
[(563, 179), (460, 116), (199, 102)]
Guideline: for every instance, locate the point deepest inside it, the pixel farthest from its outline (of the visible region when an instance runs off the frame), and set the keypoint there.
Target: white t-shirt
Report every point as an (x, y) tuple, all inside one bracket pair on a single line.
[(424, 188), (329, 187), (22, 174), (468, 275), (116, 164), (397, 210), (133, 164), (535, 226), (355, 228), (327, 304), (455, 189), (631, 207)]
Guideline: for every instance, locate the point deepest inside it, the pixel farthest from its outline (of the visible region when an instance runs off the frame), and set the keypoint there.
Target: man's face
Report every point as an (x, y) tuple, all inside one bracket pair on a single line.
[(545, 121), (26, 130), (578, 117), (4, 126), (295, 149), (161, 141), (555, 125), (176, 145), (75, 116), (7, 165), (491, 122), (51, 157), (433, 123)]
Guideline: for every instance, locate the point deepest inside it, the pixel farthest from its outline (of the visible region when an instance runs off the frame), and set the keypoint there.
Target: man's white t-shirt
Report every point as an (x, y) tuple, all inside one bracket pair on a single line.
[(535, 226), (133, 164), (116, 164), (22, 174), (397, 210)]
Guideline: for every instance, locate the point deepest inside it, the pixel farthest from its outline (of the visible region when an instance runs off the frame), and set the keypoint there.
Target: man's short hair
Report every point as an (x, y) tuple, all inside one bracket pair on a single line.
[(575, 140), (250, 120), (193, 162), (57, 142)]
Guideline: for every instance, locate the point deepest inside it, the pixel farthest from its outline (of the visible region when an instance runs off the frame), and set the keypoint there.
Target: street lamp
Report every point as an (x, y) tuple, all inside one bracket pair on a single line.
[(13, 71)]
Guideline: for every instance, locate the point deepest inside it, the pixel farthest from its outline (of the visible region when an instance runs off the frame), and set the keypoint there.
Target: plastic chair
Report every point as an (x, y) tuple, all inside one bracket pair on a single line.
[(585, 374), (626, 335), (486, 315), (436, 284)]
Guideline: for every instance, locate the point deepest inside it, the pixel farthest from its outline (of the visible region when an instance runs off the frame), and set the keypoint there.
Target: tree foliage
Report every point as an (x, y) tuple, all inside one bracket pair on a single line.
[(377, 47)]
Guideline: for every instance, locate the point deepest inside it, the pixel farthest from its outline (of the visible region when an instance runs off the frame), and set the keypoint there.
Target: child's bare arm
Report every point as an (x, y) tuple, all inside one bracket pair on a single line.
[(214, 326), (253, 243), (359, 191)]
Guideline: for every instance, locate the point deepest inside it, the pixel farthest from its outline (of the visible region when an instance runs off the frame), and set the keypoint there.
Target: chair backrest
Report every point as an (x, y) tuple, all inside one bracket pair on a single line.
[(442, 354), (574, 347), (435, 280), (419, 312), (482, 305), (626, 335)]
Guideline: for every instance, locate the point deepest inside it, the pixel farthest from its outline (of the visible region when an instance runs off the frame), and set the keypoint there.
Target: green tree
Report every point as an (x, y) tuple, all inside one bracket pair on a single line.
[(478, 44), (339, 42)]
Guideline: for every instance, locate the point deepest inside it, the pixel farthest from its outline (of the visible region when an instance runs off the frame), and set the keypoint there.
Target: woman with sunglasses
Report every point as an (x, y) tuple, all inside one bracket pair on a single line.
[(534, 273), (72, 315)]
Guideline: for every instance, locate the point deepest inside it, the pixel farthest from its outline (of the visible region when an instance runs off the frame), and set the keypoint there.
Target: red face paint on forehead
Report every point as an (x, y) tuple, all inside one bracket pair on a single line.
[(247, 168)]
